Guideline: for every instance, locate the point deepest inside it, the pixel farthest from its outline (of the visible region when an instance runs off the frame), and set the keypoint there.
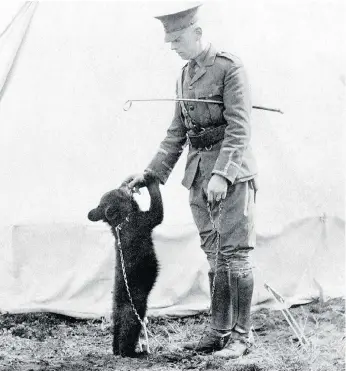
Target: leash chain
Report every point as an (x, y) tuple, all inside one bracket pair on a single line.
[(218, 241), (142, 322), (218, 238)]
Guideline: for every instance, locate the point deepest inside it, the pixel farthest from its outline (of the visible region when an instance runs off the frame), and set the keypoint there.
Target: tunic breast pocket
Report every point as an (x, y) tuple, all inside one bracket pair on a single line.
[(214, 110)]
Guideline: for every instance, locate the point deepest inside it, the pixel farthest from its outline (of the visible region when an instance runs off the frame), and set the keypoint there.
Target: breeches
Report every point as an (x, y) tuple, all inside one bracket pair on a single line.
[(236, 226)]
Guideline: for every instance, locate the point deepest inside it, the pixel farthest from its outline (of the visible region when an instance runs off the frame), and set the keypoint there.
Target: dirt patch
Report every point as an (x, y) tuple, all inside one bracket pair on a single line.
[(46, 341)]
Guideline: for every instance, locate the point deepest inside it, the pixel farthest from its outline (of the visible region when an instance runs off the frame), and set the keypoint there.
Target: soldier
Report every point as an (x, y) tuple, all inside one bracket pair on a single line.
[(220, 169)]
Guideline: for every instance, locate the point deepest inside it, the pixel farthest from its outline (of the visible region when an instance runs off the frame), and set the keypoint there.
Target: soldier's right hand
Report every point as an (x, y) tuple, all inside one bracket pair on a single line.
[(135, 181)]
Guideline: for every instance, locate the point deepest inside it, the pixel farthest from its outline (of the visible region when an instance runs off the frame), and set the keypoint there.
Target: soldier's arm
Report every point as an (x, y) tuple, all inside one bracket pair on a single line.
[(170, 148), (237, 102)]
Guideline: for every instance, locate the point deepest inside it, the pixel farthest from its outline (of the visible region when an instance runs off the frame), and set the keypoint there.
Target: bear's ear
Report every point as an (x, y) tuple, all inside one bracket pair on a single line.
[(95, 215), (111, 212)]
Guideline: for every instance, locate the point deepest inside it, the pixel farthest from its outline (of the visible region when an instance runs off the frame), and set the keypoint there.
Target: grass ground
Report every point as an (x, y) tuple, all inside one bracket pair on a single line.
[(45, 341)]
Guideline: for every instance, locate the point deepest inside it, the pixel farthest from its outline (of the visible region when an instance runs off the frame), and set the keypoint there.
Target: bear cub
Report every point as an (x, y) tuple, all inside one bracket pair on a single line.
[(118, 207)]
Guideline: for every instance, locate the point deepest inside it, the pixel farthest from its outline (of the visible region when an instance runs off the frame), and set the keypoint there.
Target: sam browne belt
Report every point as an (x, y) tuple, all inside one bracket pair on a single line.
[(206, 137)]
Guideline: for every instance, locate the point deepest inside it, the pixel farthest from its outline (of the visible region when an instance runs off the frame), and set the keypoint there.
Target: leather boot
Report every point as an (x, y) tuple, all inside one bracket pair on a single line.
[(222, 316), (241, 338), (238, 345), (210, 341), (224, 304), (245, 291)]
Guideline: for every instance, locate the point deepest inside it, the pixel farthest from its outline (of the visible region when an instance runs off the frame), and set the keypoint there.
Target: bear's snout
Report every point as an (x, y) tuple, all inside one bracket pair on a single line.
[(95, 215)]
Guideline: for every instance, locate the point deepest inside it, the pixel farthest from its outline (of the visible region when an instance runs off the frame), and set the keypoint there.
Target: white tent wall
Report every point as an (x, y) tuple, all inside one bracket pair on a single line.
[(11, 38), (65, 140)]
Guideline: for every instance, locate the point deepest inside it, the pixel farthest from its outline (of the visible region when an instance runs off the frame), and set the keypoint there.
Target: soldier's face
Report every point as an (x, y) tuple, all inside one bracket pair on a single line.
[(186, 45)]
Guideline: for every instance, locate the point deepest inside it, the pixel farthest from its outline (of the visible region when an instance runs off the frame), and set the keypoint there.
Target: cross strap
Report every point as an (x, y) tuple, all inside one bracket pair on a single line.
[(187, 118)]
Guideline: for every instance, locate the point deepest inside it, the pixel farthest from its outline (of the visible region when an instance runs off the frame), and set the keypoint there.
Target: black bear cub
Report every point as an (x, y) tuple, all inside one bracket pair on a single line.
[(118, 207)]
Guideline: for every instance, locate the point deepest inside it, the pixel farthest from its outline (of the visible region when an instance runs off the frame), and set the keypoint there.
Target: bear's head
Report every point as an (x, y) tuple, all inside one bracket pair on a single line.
[(114, 207)]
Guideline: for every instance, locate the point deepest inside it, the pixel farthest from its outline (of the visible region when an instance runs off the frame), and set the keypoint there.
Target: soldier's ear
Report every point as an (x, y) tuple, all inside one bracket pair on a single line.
[(95, 215), (199, 32)]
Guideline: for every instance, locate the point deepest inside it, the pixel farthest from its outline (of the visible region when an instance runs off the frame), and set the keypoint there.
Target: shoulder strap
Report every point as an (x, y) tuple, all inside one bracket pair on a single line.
[(229, 56), (180, 83)]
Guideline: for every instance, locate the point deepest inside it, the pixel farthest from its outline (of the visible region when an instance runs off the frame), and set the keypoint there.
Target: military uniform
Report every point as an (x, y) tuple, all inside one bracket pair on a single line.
[(220, 76), (217, 76)]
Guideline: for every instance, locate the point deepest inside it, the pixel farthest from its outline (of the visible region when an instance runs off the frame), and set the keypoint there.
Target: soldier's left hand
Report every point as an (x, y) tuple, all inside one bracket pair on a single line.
[(217, 188)]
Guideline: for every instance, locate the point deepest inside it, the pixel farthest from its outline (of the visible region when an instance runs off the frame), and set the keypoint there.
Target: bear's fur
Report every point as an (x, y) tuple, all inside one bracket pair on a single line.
[(119, 207)]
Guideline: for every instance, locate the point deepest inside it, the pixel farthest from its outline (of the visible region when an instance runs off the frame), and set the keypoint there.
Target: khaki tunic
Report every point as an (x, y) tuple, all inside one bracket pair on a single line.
[(220, 76)]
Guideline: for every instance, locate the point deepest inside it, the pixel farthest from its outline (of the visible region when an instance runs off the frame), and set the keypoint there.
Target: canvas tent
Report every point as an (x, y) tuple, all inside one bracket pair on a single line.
[(66, 69)]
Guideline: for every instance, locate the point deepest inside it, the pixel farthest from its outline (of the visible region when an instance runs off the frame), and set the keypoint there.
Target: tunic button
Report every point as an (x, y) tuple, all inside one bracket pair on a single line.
[(191, 108), (190, 87)]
